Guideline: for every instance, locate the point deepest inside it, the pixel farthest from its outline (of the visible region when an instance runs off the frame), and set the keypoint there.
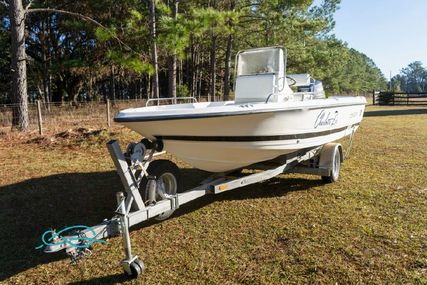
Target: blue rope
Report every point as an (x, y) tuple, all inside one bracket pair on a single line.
[(65, 240)]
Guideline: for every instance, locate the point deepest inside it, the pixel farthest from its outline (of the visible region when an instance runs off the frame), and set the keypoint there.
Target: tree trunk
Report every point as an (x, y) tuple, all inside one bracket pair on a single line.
[(112, 86), (227, 67), (140, 88), (266, 35), (196, 74), (46, 85), (58, 95), (20, 119), (199, 88), (154, 62), (172, 62), (213, 69), (43, 40), (180, 73), (149, 93), (49, 79), (199, 73), (228, 56), (193, 67), (90, 87), (172, 78), (74, 92)]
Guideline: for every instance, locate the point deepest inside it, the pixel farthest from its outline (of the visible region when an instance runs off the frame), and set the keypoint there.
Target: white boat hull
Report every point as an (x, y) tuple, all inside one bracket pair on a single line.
[(217, 138)]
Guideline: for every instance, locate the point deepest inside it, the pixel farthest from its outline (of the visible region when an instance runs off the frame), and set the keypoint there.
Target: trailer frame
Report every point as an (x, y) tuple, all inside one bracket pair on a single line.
[(133, 209)]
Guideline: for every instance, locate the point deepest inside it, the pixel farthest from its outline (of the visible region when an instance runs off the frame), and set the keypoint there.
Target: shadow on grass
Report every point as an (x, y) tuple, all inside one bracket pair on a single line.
[(379, 113), (33, 206), (110, 279)]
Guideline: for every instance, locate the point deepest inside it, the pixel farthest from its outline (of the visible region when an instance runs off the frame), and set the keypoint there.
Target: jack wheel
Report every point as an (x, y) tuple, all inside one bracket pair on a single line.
[(136, 267)]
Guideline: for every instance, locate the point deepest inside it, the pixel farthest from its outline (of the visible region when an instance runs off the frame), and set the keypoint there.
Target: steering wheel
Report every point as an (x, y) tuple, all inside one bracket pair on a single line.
[(293, 81)]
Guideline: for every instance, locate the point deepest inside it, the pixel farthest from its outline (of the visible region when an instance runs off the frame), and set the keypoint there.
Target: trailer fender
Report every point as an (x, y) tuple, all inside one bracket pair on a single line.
[(327, 155)]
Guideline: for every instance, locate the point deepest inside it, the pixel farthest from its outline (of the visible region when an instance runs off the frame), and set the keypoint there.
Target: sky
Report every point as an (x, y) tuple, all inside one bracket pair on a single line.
[(393, 33)]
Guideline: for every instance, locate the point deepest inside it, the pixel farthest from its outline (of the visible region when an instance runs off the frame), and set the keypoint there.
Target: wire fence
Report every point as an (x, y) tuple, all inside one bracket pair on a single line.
[(65, 115)]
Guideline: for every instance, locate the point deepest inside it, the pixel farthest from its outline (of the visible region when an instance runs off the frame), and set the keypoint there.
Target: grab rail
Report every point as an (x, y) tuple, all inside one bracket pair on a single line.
[(168, 99)]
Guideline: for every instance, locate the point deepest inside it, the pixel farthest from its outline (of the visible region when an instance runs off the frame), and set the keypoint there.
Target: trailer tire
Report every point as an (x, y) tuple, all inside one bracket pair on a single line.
[(167, 175), (136, 268), (335, 166)]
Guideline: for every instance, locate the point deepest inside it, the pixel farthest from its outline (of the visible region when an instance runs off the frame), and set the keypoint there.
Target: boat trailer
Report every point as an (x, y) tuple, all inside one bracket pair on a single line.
[(152, 190)]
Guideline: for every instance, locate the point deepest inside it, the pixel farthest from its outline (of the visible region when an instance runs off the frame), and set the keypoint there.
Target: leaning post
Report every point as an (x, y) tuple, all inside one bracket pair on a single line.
[(39, 117)]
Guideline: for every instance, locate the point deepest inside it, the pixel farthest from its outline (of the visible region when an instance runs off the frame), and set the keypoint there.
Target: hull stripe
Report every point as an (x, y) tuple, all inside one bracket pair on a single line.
[(254, 138)]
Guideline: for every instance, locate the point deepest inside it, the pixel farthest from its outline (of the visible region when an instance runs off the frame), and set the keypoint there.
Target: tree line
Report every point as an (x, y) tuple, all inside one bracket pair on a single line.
[(412, 78), (94, 50)]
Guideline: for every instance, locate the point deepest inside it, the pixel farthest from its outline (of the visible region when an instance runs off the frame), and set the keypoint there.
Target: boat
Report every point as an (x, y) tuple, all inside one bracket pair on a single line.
[(277, 123), (273, 114)]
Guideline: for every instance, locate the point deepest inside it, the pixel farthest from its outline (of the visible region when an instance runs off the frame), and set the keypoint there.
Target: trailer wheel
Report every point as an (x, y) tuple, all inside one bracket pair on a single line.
[(335, 167), (168, 178)]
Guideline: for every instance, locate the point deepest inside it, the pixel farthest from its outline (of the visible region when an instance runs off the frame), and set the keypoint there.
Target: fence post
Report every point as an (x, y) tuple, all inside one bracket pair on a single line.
[(39, 117), (108, 113)]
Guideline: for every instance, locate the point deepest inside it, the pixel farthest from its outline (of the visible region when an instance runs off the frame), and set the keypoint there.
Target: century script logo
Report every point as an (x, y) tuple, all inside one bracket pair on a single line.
[(326, 119)]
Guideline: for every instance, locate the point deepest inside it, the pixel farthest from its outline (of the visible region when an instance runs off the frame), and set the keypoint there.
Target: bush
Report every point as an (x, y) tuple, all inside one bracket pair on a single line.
[(182, 91)]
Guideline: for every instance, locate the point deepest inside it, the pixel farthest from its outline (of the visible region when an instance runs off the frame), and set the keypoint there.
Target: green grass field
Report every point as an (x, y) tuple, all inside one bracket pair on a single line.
[(368, 228)]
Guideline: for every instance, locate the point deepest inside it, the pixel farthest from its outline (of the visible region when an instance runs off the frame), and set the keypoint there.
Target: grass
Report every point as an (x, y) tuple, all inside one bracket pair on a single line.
[(368, 228)]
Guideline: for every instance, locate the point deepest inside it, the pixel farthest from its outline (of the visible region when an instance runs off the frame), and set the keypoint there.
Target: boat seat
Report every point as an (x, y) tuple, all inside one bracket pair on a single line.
[(254, 88)]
